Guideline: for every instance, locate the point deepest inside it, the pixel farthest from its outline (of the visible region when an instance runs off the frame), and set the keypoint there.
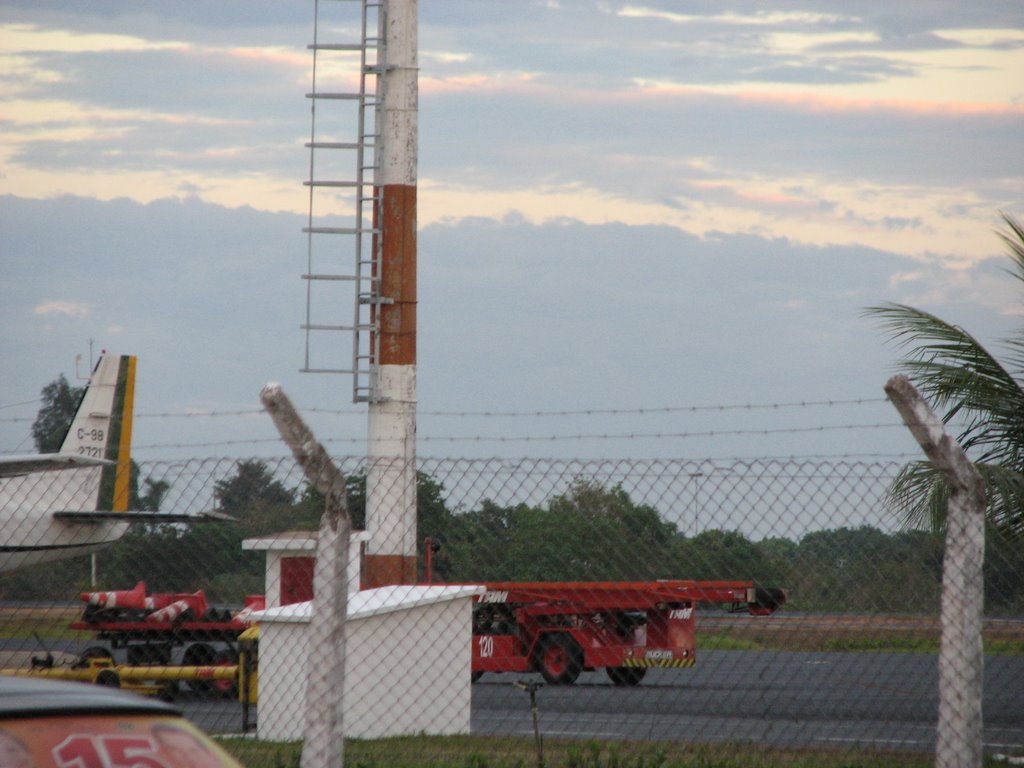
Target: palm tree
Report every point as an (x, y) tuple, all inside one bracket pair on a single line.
[(977, 393)]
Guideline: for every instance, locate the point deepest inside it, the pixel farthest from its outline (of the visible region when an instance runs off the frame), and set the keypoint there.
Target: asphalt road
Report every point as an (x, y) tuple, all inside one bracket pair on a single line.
[(875, 700), (867, 700)]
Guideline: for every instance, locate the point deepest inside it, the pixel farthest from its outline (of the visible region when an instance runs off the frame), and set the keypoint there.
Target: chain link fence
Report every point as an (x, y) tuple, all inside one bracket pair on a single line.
[(807, 611)]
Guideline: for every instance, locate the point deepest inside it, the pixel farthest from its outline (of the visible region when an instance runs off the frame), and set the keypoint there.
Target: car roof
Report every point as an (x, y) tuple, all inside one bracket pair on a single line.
[(29, 696)]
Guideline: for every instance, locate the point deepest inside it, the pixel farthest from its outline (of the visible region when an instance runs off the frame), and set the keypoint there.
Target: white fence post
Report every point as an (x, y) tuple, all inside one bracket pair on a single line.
[(961, 657), (323, 743)]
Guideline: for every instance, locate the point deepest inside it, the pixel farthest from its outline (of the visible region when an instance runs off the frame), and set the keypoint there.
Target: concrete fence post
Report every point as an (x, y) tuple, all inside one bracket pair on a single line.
[(323, 731), (961, 657)]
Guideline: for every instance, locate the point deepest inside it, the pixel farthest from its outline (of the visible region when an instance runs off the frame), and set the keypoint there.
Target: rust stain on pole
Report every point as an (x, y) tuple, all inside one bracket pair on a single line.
[(386, 570), (398, 275)]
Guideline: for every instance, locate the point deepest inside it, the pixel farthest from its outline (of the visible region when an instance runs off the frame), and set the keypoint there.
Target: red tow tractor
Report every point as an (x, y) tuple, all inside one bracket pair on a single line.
[(562, 629)]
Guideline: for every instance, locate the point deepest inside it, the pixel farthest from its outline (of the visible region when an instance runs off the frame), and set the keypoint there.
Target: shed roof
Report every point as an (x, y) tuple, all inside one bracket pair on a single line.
[(292, 541), (372, 602)]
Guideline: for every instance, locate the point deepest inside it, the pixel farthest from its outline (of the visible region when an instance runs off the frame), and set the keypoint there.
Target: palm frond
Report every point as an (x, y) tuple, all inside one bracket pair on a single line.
[(1014, 240), (952, 369), (922, 494), (972, 388), (1005, 490)]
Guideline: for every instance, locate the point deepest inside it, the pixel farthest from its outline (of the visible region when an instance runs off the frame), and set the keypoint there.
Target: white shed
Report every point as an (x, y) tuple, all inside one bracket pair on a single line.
[(407, 666)]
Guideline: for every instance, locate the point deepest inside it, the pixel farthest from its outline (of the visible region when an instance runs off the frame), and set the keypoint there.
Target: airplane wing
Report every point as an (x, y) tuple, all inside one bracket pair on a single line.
[(86, 516), (14, 465), (55, 506)]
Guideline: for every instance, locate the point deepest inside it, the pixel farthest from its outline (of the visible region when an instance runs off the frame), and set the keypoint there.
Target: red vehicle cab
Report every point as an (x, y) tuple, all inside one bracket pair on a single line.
[(56, 724)]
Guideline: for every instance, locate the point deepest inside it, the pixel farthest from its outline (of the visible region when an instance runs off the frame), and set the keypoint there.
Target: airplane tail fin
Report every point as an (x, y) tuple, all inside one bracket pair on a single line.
[(102, 427)]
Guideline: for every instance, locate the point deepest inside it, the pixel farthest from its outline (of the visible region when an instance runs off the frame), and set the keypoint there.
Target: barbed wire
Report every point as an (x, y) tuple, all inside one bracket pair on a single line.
[(700, 468), (659, 409), (18, 405), (556, 438), (480, 439), (509, 414)]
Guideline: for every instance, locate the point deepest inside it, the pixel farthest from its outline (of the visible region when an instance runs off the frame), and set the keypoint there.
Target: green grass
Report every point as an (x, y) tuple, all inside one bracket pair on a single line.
[(1003, 647), (51, 624), (883, 643), (47, 624), (730, 643), (504, 752)]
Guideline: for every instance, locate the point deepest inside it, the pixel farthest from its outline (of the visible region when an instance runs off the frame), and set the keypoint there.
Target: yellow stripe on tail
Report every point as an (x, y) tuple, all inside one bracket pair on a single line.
[(122, 480)]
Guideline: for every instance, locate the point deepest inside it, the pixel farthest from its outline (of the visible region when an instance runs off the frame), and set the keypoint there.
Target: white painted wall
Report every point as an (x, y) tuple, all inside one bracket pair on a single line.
[(407, 670)]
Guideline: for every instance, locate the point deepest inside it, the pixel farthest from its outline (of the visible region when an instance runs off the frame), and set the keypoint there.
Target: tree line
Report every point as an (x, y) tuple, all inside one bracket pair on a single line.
[(588, 533)]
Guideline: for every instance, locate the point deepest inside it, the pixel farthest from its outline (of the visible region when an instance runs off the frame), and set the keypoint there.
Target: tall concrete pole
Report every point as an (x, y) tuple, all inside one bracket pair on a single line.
[(391, 477)]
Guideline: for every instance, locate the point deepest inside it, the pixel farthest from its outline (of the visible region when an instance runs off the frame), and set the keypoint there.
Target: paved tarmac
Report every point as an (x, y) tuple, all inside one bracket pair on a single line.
[(871, 700), (875, 700)]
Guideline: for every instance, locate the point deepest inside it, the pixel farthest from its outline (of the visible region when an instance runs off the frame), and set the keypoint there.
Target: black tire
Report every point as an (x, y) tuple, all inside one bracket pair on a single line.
[(560, 659), (168, 690), (92, 652), (199, 655), (626, 675), (108, 678), (96, 652), (149, 655)]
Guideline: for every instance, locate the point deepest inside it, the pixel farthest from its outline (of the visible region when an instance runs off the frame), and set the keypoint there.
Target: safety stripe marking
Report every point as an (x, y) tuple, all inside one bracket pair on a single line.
[(658, 662)]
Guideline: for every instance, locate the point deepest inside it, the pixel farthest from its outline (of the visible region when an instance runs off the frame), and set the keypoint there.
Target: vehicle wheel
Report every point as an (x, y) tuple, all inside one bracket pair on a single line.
[(227, 689), (561, 659), (168, 691), (148, 656), (92, 652), (97, 652), (626, 675), (108, 678), (199, 655)]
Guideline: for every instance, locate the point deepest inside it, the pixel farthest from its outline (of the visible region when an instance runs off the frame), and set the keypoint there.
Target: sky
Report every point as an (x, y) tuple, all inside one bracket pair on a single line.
[(645, 229)]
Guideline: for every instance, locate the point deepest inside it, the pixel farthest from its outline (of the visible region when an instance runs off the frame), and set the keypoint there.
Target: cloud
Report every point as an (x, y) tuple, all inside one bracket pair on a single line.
[(812, 101), (993, 38), (32, 38), (446, 57), (277, 55), (514, 315), (77, 310), (817, 126), (770, 18)]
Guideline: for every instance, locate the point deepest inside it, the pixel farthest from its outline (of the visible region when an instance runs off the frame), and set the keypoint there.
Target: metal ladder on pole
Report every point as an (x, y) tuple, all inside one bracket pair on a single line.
[(343, 245)]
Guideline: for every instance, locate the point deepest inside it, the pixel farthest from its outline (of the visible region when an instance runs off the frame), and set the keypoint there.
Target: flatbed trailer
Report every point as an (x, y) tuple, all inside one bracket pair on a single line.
[(563, 628), (558, 629), (148, 628)]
